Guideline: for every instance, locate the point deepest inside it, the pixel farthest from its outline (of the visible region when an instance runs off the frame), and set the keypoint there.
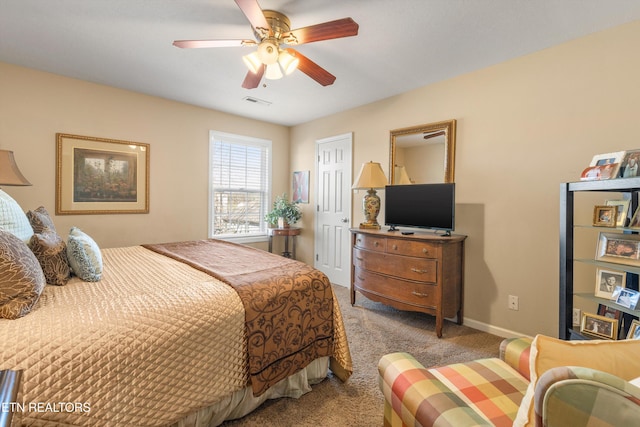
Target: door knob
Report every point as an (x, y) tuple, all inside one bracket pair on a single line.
[(345, 220)]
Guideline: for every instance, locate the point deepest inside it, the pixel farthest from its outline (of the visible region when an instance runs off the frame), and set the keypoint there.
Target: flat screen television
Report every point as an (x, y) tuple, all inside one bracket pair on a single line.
[(429, 206)]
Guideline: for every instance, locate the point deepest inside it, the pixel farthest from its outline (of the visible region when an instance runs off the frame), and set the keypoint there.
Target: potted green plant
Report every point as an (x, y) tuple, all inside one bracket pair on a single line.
[(284, 212)]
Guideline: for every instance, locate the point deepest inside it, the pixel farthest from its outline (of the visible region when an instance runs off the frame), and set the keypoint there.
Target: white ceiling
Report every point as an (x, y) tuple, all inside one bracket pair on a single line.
[(401, 45)]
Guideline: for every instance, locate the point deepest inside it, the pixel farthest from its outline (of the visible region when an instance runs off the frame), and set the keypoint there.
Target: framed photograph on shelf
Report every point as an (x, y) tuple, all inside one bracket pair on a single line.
[(607, 158), (610, 312), (619, 248), (607, 280), (599, 326), (623, 211), (635, 219), (627, 298), (605, 216), (602, 172), (629, 165), (603, 166), (634, 330), (101, 176)]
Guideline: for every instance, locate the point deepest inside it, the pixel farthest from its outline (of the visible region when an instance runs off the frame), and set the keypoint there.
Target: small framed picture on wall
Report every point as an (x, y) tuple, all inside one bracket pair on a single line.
[(300, 193)]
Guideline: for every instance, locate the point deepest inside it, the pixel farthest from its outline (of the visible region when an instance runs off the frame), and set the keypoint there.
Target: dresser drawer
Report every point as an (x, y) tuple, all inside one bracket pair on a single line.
[(420, 294), (412, 248), (372, 243), (411, 268)]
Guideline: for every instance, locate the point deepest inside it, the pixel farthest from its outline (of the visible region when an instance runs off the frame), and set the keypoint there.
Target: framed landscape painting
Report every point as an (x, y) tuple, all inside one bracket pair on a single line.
[(101, 176)]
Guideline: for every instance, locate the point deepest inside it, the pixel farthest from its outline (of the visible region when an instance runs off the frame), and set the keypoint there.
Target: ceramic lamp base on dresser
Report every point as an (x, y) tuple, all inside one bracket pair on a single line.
[(420, 272)]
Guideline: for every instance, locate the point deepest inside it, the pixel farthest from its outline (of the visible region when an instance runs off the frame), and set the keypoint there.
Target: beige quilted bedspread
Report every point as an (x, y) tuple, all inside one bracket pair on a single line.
[(134, 349)]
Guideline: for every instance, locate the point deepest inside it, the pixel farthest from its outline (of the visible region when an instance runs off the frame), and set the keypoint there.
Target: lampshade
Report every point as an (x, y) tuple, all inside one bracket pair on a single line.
[(9, 172), (370, 176), (273, 72), (276, 60), (288, 62), (268, 52), (252, 61), (400, 176)]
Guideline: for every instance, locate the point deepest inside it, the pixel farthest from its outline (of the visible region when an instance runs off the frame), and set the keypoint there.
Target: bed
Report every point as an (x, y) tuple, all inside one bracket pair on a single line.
[(175, 337)]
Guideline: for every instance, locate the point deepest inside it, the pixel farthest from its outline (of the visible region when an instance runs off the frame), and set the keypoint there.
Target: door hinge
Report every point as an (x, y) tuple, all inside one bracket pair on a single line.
[(317, 257)]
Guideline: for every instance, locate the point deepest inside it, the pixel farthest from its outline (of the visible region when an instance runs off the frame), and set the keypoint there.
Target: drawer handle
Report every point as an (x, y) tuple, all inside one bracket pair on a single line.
[(424, 250), (375, 243), (395, 247), (415, 270), (361, 278), (418, 294), (359, 258)]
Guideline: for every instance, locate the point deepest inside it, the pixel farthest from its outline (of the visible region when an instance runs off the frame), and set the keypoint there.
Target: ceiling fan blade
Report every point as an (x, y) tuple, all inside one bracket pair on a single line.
[(252, 80), (312, 69), (253, 12), (190, 44), (345, 27), (428, 135)]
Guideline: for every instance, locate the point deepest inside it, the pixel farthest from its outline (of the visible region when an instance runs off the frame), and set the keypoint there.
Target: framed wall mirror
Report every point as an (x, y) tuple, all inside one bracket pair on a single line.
[(423, 154)]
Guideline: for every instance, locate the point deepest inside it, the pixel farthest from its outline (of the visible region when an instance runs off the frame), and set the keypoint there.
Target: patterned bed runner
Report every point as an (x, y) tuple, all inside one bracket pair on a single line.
[(288, 304)]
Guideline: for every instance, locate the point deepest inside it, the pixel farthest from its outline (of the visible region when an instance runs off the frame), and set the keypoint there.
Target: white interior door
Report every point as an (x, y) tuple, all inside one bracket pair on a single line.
[(333, 211)]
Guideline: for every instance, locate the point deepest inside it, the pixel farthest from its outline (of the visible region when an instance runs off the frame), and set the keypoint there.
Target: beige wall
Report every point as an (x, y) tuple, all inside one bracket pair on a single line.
[(34, 106), (524, 126)]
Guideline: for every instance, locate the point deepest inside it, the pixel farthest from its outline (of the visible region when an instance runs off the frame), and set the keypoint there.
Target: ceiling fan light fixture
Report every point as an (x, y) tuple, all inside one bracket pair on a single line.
[(268, 52), (288, 62), (252, 61), (273, 72)]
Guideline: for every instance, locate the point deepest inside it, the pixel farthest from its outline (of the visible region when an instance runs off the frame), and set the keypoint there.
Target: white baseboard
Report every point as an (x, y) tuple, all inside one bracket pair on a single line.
[(484, 327)]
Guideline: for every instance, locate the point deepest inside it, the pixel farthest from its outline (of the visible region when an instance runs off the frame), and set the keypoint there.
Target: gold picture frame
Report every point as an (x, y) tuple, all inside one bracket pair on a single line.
[(618, 248), (599, 326), (634, 330), (101, 176), (605, 216)]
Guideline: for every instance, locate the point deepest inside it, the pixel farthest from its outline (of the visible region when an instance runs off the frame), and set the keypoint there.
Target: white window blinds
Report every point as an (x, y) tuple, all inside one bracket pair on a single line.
[(240, 185)]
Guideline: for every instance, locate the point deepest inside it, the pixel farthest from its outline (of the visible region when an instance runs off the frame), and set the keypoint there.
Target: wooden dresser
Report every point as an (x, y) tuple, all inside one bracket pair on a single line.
[(418, 272)]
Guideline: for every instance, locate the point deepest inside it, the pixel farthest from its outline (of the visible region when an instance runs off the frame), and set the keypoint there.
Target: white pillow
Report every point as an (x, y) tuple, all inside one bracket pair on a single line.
[(84, 256), (13, 219)]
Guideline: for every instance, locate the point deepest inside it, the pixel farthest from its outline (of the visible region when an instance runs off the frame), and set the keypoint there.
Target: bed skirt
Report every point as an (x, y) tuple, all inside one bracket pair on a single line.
[(242, 402)]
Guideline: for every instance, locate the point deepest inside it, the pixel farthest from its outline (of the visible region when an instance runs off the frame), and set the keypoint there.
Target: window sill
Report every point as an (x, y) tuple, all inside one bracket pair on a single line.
[(244, 239)]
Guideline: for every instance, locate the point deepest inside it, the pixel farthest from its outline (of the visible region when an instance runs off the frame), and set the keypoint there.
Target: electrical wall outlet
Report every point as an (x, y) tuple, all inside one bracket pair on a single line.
[(513, 302), (577, 316)]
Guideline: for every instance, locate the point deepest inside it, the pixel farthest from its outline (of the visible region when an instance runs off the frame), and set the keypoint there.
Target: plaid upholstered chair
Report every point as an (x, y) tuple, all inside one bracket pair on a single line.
[(544, 382)]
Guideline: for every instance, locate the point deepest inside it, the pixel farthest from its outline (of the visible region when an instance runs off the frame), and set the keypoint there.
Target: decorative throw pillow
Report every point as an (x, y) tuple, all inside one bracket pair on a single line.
[(51, 252), (84, 256), (614, 357), (13, 218), (40, 220), (21, 278)]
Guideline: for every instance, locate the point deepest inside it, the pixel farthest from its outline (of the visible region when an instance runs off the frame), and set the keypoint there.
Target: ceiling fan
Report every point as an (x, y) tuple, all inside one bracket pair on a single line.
[(273, 29)]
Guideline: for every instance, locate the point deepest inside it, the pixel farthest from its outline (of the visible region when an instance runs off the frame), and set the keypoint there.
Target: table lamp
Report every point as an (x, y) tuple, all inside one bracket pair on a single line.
[(9, 172), (370, 177)]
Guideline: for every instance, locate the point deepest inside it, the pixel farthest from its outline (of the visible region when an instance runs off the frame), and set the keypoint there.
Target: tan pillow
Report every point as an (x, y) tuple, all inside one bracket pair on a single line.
[(615, 357), (21, 278), (40, 220), (51, 252)]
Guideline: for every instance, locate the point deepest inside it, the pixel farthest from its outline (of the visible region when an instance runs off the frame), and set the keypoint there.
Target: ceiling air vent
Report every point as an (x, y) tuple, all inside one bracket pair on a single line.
[(257, 101)]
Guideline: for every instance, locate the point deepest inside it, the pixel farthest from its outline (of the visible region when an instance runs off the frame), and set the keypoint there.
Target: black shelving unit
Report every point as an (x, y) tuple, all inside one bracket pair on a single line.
[(567, 193)]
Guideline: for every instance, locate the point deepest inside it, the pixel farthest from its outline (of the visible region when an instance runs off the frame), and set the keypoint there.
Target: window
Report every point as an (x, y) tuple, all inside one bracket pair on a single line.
[(240, 178)]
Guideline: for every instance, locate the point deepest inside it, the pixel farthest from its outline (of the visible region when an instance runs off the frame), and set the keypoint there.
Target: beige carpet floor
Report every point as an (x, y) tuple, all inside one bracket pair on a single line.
[(373, 330)]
